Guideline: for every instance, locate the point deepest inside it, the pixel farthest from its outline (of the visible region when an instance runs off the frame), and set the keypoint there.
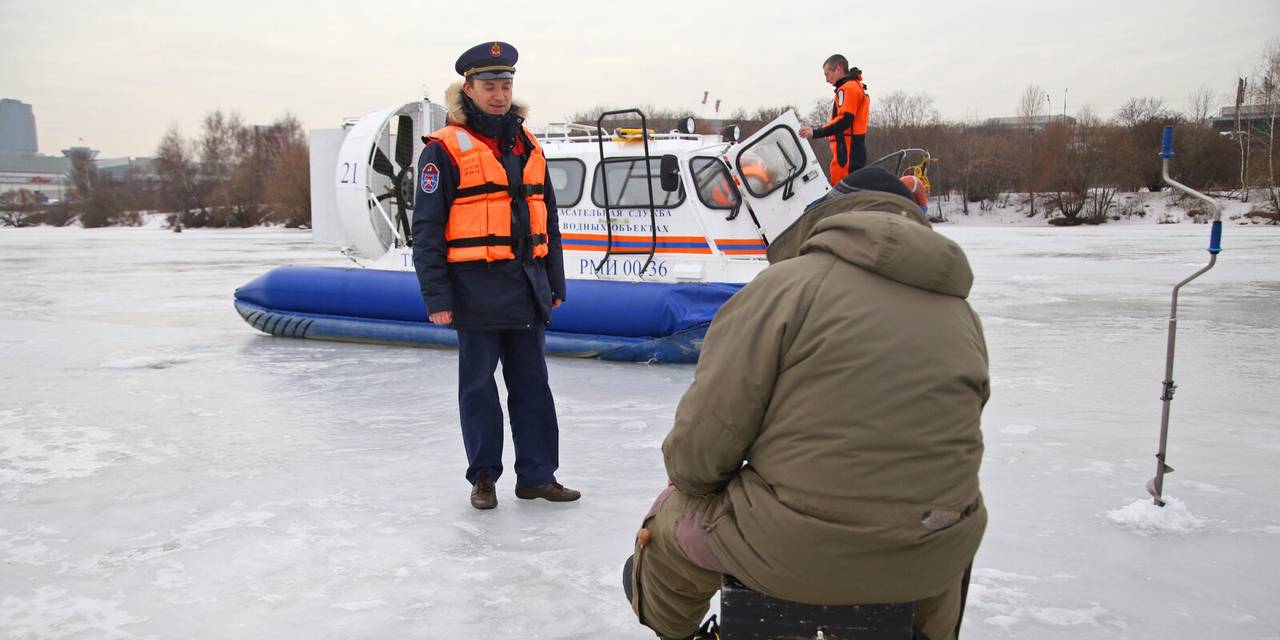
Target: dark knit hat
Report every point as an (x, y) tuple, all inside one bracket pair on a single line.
[(872, 179)]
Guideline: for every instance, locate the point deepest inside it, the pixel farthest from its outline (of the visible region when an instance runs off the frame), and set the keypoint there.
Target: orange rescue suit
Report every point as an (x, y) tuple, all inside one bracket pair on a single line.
[(479, 225), (850, 98)]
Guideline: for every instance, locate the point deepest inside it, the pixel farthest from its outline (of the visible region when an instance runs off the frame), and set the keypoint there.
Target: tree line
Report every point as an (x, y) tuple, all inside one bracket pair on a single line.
[(1068, 170), (236, 175), (230, 175)]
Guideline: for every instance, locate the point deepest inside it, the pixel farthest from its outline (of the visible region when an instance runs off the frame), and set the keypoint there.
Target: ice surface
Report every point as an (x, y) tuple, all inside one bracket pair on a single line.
[(168, 472)]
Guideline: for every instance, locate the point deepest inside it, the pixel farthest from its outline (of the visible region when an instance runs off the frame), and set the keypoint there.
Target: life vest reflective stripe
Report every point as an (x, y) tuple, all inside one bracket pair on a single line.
[(479, 226)]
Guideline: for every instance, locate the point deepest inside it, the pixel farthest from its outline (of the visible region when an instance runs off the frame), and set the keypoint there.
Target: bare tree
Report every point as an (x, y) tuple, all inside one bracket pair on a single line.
[(820, 113), (1200, 104), (217, 145), (177, 171), (18, 208), (1243, 139), (982, 162), (1031, 107), (900, 109), (97, 203), (1266, 93), (1136, 111), (288, 184), (1144, 118)]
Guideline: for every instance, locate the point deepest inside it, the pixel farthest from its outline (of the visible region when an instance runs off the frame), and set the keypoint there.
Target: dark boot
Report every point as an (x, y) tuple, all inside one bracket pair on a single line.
[(484, 495), (553, 492)]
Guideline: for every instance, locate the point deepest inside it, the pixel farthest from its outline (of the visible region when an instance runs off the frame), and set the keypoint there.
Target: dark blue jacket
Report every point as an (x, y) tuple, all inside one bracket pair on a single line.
[(508, 294)]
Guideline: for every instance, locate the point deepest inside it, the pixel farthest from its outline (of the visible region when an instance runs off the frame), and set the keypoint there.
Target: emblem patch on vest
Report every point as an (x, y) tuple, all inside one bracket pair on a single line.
[(430, 178), (839, 98)]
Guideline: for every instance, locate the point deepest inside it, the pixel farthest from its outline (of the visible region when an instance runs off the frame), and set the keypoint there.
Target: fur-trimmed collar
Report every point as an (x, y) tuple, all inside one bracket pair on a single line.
[(453, 102)]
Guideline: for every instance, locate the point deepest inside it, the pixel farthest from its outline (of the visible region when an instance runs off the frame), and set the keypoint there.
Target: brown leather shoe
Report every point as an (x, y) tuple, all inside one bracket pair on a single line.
[(484, 495), (554, 492)]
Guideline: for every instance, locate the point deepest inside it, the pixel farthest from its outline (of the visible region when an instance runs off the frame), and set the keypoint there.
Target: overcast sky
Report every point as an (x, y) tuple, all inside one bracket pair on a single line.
[(115, 75)]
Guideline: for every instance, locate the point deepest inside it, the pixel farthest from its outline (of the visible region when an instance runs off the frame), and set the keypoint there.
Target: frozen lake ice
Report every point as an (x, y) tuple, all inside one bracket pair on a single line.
[(167, 471)]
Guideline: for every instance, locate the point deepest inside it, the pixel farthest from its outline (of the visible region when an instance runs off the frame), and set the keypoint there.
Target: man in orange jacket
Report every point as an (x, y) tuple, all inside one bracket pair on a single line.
[(847, 127)]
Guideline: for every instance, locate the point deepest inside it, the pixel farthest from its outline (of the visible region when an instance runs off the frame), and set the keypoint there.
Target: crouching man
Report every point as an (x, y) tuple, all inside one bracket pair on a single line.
[(827, 451)]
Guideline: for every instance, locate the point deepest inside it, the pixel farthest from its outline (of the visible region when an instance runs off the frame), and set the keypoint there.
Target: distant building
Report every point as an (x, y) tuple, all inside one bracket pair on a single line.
[(23, 167), (1037, 123), (45, 175), (1255, 117), (128, 169), (17, 128)]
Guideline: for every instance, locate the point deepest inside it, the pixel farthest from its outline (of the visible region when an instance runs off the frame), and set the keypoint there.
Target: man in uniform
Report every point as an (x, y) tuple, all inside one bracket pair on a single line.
[(487, 253), (848, 125)]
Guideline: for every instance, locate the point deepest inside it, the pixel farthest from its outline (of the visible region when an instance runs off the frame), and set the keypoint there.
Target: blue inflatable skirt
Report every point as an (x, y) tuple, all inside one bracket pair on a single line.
[(628, 321)]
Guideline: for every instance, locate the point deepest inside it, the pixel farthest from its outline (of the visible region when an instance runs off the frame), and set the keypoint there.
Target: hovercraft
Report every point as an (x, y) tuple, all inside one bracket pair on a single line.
[(658, 231)]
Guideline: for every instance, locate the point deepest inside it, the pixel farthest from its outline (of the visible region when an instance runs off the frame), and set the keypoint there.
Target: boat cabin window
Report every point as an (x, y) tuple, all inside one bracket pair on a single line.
[(712, 182), (771, 162), (566, 175), (629, 184)]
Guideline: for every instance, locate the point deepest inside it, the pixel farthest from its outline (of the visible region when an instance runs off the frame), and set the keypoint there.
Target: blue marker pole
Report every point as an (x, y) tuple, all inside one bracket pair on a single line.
[(1156, 485)]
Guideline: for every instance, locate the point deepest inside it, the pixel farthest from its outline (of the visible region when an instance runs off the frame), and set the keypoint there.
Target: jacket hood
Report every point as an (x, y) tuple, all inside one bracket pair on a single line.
[(882, 233), (457, 115)]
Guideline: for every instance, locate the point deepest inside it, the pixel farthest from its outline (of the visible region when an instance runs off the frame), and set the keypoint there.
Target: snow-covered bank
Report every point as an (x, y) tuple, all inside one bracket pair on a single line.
[(1130, 208), (166, 471), (1140, 208)]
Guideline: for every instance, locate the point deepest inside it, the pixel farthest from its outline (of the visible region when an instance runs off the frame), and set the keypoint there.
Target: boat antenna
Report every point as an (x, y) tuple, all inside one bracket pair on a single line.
[(1155, 486)]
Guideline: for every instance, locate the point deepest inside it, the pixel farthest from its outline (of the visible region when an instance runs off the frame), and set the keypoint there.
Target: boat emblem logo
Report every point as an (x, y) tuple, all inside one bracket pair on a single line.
[(430, 178)]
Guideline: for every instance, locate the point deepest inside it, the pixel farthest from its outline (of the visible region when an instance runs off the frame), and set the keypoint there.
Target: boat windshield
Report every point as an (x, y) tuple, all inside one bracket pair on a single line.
[(629, 184), (771, 162), (713, 184), (566, 175)]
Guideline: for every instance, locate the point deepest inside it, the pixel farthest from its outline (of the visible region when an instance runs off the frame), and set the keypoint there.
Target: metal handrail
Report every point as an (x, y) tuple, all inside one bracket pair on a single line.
[(604, 177)]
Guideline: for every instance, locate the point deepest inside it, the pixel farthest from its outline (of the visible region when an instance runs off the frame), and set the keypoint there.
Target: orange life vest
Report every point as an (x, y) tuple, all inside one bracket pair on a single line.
[(852, 99), (479, 225), (864, 108)]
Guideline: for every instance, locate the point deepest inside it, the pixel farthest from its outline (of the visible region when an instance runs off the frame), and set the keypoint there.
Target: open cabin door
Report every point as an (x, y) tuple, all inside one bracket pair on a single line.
[(777, 173)]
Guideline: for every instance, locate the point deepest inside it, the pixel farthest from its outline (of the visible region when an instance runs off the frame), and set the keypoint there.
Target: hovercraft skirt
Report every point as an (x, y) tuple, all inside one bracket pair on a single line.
[(621, 321)]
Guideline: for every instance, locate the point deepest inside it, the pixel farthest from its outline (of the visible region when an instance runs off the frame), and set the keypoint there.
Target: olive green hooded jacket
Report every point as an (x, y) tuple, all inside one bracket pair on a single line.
[(835, 412)]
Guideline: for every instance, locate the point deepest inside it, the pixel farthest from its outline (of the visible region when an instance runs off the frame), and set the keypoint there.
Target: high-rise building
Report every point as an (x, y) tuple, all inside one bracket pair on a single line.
[(17, 128)]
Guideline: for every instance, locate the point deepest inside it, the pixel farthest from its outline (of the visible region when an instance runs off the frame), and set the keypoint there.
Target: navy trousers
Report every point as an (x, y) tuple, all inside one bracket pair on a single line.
[(534, 429)]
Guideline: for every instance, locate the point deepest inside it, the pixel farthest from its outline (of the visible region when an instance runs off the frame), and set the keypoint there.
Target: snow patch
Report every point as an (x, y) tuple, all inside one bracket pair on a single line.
[(148, 362), (641, 446), (1068, 617), (1002, 593), (1144, 517), (1003, 621), (361, 605), (1098, 468), (1208, 488), (1018, 429), (53, 613), (34, 456)]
